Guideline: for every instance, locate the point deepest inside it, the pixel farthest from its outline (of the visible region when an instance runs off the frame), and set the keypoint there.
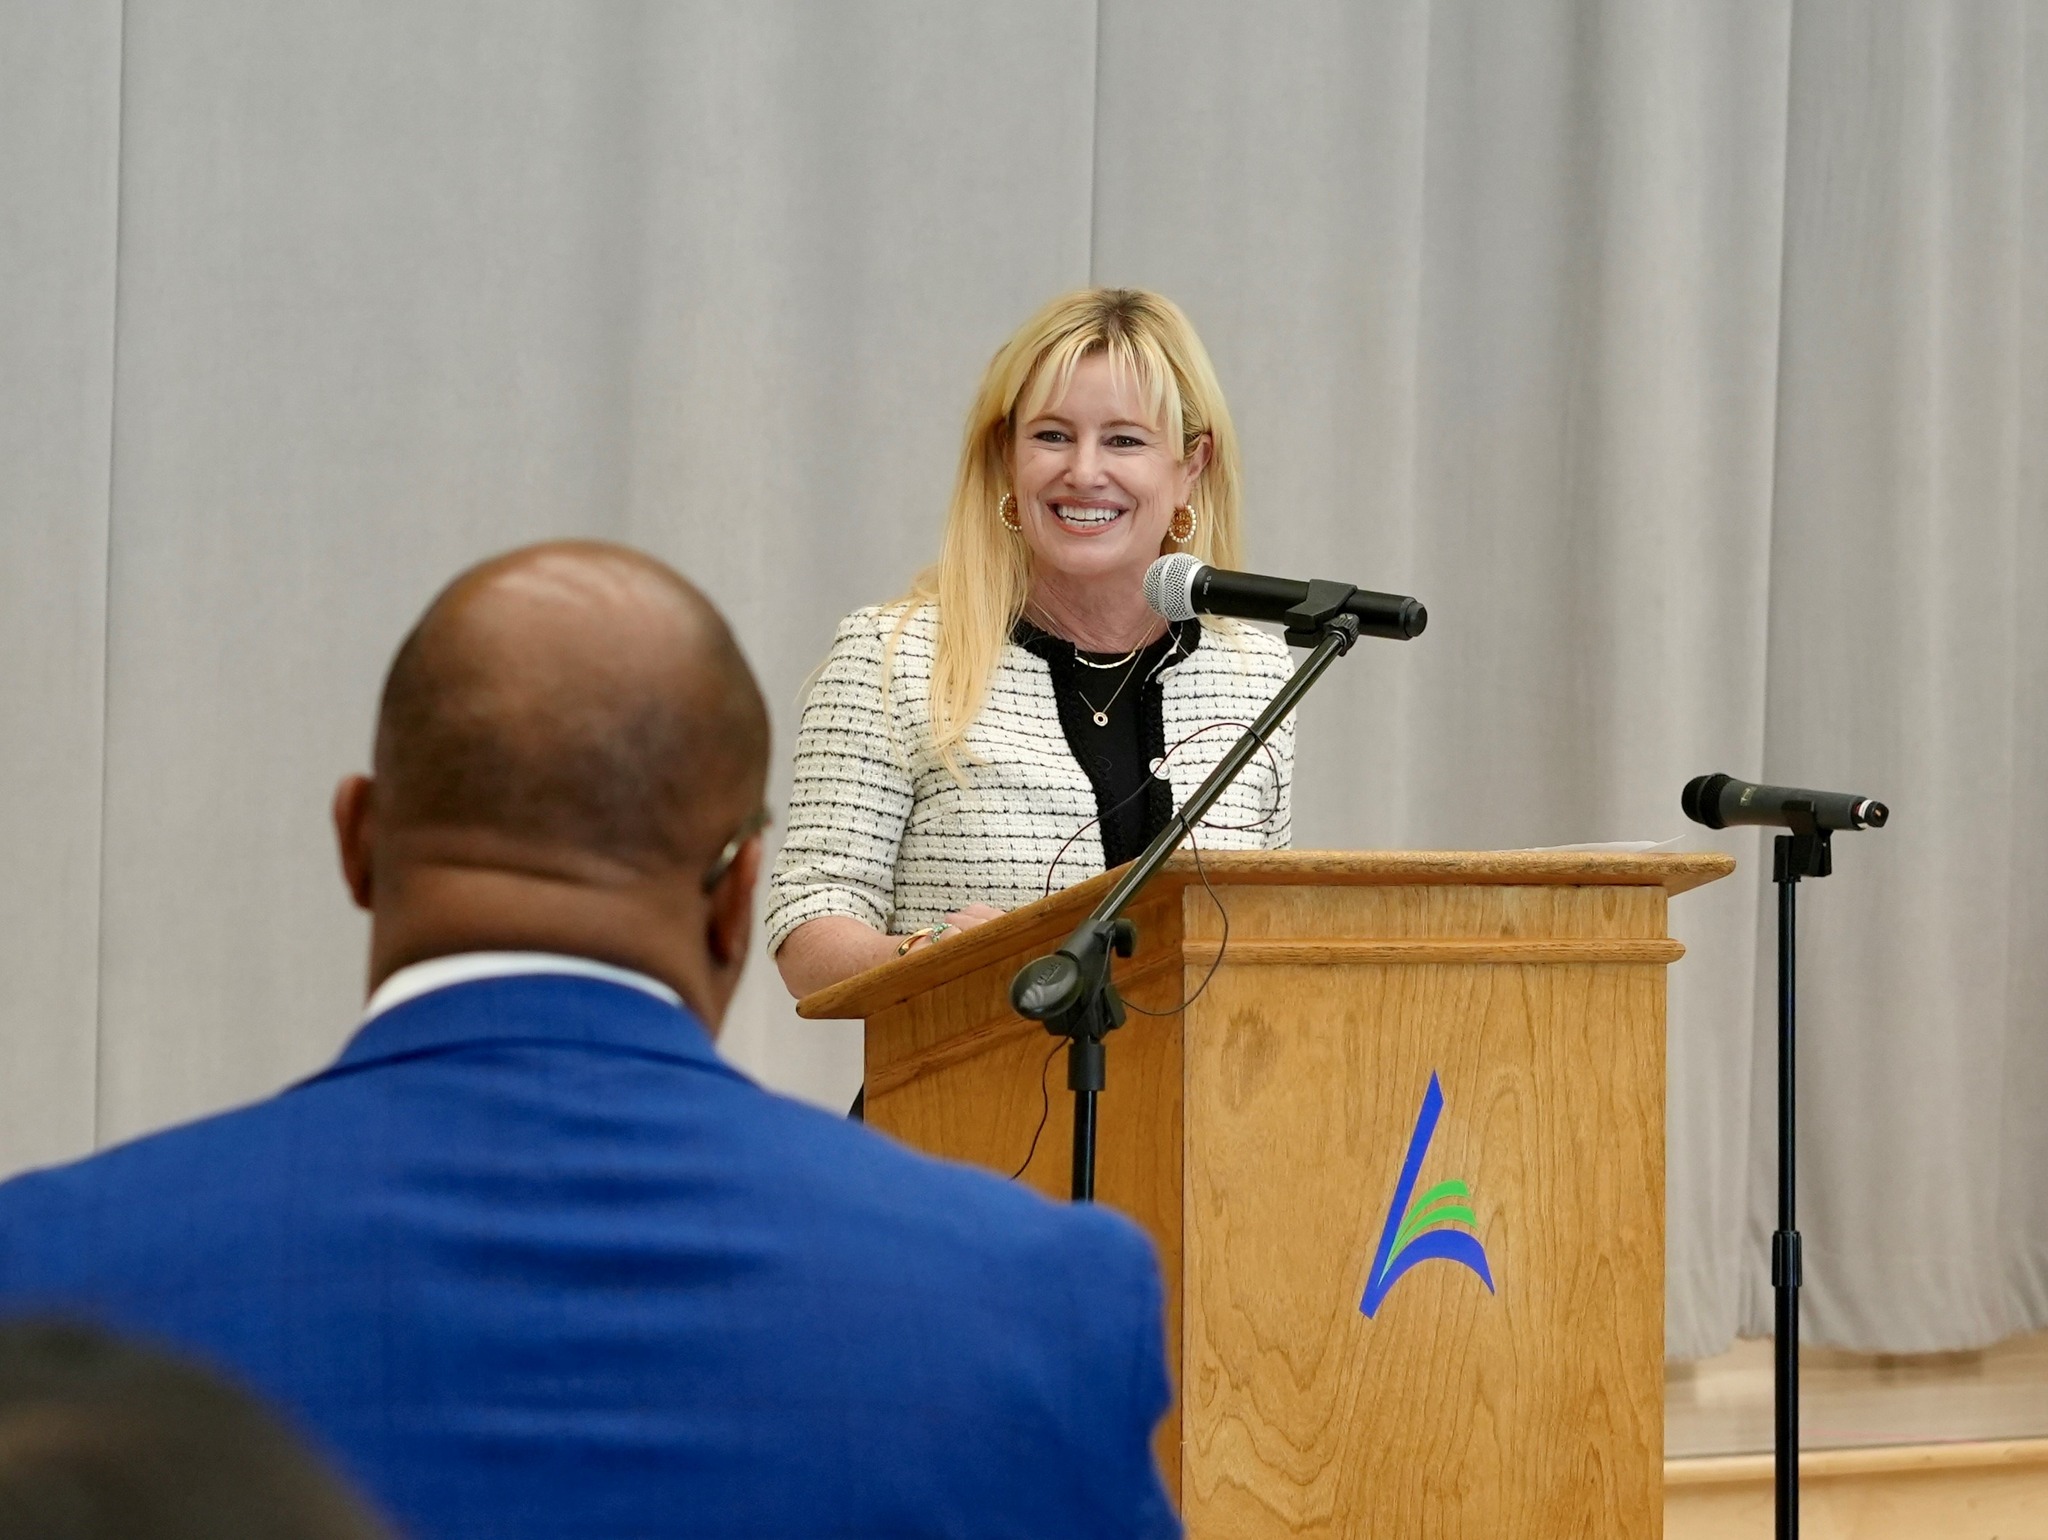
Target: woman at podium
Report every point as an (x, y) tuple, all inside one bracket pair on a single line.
[(1021, 720)]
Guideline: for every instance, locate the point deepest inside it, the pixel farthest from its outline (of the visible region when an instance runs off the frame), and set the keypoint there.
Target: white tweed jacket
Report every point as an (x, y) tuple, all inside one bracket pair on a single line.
[(880, 830)]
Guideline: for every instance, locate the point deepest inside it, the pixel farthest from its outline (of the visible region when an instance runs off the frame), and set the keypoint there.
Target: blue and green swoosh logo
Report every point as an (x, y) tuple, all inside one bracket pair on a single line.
[(1425, 1228)]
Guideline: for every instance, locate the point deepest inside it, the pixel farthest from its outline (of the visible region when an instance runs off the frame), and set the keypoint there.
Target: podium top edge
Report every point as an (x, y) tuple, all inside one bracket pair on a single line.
[(900, 978)]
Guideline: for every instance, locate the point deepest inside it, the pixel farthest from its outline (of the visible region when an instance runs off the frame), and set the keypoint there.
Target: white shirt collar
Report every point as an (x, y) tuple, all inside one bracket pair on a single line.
[(467, 967)]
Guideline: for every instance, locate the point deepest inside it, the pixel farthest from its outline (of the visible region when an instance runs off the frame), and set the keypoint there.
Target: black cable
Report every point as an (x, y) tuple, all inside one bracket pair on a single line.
[(1221, 946), (1044, 1110), (1194, 849), (1264, 820)]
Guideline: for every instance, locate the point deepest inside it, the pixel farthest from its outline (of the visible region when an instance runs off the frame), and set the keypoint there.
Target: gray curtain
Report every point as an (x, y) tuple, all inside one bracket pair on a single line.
[(1686, 359)]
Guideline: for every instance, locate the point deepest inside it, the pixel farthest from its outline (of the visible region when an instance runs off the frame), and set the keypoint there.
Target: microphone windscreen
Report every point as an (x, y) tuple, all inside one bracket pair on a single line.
[(1701, 800), (1170, 585)]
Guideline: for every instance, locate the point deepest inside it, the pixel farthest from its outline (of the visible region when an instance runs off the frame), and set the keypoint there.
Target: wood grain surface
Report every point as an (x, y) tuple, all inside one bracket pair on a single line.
[(1533, 1410), (1248, 954), (1258, 1135), (955, 1072), (1882, 1460), (901, 979), (1993, 1490)]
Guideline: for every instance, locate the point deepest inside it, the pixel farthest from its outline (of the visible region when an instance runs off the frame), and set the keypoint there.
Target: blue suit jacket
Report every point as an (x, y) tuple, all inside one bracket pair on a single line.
[(533, 1261)]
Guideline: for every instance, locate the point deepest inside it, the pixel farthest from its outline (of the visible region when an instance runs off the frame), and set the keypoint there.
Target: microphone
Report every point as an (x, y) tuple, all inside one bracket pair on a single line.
[(1181, 586), (1720, 800)]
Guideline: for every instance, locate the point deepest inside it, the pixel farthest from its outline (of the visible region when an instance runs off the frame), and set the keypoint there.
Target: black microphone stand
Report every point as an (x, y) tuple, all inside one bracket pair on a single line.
[(1805, 852), (1070, 990)]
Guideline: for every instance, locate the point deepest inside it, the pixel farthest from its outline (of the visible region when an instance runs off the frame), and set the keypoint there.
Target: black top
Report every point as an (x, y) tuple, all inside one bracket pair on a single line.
[(1131, 803)]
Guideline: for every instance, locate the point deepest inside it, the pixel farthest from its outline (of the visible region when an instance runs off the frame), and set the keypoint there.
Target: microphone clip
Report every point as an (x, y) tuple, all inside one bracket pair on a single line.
[(1321, 613), (1069, 992), (1808, 851)]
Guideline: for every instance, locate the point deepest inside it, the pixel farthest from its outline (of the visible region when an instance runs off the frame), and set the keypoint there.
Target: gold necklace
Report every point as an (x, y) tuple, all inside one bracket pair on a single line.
[(1101, 713), (1051, 630)]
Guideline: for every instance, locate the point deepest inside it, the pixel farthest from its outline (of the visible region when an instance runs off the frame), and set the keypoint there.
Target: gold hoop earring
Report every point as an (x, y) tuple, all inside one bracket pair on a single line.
[(1182, 532), (1006, 510)]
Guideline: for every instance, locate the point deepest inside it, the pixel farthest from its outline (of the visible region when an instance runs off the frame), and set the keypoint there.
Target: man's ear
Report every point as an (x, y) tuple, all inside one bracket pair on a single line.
[(355, 830), (729, 928)]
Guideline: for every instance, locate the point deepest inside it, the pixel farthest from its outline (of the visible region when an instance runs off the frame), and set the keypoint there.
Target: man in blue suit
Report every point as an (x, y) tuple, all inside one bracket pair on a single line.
[(529, 1257)]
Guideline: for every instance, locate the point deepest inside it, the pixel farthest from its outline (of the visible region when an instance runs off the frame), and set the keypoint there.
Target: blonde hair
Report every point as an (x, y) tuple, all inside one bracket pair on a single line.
[(983, 575)]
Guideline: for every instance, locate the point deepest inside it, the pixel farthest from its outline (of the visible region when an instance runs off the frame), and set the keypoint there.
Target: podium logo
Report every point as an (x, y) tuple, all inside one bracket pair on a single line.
[(1419, 1229)]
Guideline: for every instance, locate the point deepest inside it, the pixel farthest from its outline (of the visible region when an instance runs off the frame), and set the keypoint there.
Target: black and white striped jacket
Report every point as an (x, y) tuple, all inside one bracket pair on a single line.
[(880, 830)]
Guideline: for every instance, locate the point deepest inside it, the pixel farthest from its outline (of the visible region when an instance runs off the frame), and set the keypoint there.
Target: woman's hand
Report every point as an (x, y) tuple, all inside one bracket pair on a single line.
[(964, 918), (968, 917)]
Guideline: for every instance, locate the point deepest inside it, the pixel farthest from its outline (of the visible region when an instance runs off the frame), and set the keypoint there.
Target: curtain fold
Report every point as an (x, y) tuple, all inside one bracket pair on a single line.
[(408, 284), (60, 143), (1687, 360), (1900, 660)]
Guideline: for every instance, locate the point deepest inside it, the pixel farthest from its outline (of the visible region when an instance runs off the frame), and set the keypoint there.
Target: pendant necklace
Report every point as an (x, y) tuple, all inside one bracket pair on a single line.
[(1101, 713)]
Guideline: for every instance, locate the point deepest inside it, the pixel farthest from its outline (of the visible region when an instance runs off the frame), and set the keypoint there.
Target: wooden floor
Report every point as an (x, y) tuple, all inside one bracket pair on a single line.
[(1946, 1446), (1852, 1400)]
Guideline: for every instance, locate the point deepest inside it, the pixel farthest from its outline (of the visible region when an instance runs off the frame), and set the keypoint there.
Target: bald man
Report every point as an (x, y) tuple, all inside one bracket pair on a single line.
[(529, 1258)]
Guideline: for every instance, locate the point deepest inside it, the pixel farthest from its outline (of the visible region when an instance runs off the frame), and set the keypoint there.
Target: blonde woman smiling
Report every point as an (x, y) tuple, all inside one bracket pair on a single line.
[(1021, 720)]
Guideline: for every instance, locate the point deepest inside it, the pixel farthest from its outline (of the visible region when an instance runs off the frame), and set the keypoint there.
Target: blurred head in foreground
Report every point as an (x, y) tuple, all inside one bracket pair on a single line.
[(570, 758), (103, 1441)]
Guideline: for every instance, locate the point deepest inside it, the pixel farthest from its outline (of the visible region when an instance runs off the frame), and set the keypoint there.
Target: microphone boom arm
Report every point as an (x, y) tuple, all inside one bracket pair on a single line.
[(1070, 990)]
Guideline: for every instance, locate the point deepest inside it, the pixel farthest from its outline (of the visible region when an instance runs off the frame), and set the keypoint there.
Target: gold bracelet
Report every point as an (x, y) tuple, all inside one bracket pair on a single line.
[(928, 933)]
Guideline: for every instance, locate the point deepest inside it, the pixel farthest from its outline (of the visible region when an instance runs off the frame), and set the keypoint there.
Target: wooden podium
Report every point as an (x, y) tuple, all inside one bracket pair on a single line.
[(1403, 1159)]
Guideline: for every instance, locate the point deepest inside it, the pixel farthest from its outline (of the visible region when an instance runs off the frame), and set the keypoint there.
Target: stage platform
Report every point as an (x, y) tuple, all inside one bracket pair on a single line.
[(1940, 1446)]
